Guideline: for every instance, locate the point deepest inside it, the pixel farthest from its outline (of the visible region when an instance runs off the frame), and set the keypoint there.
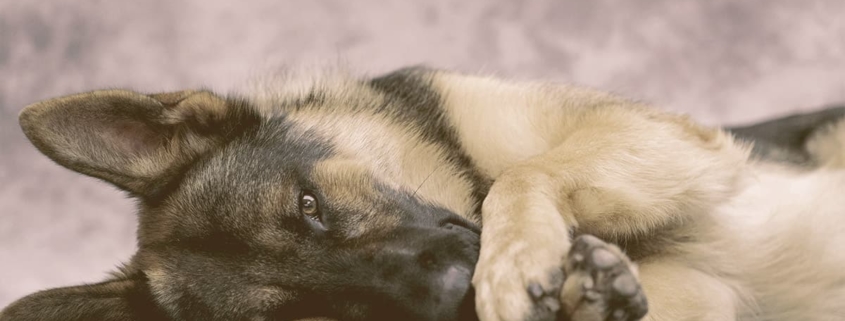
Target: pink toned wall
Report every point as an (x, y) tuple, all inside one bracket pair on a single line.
[(723, 61)]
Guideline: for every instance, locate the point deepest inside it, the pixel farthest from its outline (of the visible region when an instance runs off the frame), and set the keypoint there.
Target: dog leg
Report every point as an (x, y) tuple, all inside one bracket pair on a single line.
[(679, 293), (622, 172)]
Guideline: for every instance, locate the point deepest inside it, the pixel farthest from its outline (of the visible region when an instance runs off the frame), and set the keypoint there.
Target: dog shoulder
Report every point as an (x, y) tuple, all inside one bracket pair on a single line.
[(500, 122)]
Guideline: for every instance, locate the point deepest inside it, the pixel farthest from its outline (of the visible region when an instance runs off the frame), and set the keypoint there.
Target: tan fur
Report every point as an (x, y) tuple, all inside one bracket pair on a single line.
[(713, 234), (387, 150), (404, 159), (567, 158), (826, 145), (45, 123)]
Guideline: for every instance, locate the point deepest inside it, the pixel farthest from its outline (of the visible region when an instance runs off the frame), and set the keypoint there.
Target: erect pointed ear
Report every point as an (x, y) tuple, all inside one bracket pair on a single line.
[(133, 140), (120, 300)]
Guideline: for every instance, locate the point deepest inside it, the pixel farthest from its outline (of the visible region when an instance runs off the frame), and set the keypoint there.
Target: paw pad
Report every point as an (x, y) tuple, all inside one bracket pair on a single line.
[(600, 284)]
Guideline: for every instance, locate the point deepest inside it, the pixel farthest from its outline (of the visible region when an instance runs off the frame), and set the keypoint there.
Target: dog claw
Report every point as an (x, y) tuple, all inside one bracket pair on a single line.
[(604, 259), (592, 296), (588, 284), (536, 291)]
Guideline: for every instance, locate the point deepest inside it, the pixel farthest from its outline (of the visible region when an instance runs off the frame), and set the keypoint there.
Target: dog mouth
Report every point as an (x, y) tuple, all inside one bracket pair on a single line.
[(457, 280), (457, 289), (466, 311)]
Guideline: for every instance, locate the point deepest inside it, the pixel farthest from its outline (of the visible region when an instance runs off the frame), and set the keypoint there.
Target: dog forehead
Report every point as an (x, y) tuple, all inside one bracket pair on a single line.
[(244, 185)]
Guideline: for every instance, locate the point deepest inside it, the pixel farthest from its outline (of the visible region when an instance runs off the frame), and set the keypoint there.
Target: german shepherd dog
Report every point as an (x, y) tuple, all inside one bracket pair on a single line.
[(363, 199)]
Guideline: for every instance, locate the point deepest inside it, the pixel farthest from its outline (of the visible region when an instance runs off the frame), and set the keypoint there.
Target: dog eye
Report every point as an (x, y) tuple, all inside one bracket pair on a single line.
[(309, 206)]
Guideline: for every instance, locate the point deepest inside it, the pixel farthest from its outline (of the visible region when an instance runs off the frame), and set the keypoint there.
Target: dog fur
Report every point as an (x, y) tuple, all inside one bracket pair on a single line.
[(590, 204)]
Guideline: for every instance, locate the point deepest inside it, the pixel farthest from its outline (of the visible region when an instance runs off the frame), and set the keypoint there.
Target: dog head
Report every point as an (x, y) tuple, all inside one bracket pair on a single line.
[(247, 215)]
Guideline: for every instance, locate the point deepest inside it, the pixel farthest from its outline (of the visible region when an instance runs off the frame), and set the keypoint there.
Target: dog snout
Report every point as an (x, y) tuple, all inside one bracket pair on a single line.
[(430, 271)]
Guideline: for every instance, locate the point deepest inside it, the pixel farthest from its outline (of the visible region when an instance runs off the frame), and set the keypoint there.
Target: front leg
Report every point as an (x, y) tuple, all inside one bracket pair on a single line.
[(519, 275), (623, 172)]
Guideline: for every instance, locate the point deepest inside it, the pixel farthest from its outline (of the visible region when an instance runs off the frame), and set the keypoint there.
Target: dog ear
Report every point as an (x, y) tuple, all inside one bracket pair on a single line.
[(119, 300), (131, 139)]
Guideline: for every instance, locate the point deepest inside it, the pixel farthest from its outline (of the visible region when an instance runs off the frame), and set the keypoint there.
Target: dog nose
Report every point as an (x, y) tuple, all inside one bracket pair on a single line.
[(430, 271)]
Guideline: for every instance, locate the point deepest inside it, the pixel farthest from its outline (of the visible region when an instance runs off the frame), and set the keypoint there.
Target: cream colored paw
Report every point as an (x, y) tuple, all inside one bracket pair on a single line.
[(519, 276)]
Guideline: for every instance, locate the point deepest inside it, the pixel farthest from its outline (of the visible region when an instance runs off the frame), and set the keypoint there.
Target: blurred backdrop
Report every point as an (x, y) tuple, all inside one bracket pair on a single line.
[(723, 61)]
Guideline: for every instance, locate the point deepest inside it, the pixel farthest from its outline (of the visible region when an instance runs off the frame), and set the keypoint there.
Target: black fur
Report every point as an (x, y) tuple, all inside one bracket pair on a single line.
[(222, 206), (783, 139), (221, 234), (420, 105)]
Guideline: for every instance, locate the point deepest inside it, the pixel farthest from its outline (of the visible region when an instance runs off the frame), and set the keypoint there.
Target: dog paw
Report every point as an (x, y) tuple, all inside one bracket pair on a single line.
[(601, 284), (519, 280)]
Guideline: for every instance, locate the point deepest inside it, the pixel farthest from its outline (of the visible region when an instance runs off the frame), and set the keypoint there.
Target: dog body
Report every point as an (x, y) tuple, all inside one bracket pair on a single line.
[(362, 199)]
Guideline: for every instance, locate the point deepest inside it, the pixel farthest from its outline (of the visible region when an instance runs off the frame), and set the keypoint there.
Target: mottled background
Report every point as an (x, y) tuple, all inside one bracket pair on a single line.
[(723, 61)]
